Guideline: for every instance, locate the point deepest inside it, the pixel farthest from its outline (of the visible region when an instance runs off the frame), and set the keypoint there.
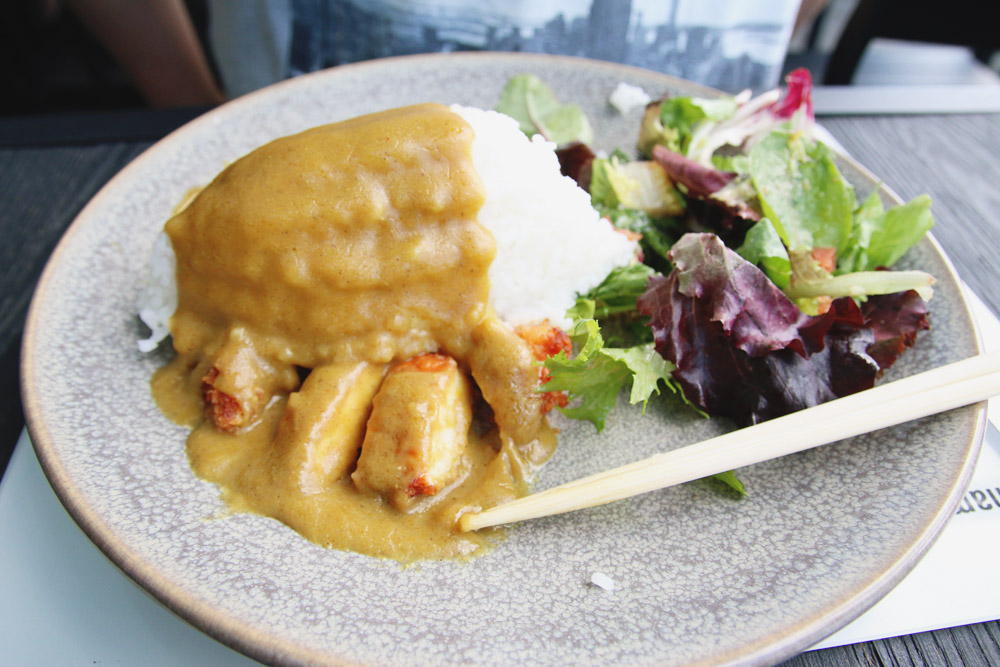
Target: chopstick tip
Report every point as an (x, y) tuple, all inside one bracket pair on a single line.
[(470, 521)]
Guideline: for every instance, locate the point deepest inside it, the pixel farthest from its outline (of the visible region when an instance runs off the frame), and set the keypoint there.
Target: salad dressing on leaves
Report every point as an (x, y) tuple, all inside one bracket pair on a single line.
[(306, 271)]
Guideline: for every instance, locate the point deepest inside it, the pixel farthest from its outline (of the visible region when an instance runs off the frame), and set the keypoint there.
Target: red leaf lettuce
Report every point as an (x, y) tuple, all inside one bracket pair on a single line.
[(742, 349)]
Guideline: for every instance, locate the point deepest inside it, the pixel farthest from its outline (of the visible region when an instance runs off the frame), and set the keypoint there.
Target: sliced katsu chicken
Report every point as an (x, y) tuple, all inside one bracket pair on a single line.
[(241, 382), (323, 425), (418, 431), (503, 363), (546, 341)]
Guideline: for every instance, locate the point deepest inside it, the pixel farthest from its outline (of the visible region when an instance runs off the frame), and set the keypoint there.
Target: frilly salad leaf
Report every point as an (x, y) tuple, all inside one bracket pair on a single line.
[(742, 349), (672, 122), (729, 479), (615, 294), (530, 101), (895, 319), (593, 378), (697, 128)]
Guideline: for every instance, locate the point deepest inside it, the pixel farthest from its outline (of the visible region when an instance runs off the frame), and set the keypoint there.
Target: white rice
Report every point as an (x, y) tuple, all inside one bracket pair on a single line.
[(626, 97), (602, 580), (551, 243), (158, 297)]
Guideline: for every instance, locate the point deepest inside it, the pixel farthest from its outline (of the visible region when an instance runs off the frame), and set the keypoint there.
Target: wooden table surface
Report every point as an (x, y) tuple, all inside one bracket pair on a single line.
[(49, 171)]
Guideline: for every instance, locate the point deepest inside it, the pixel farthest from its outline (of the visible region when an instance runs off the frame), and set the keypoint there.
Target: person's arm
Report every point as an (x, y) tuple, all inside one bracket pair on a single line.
[(155, 43)]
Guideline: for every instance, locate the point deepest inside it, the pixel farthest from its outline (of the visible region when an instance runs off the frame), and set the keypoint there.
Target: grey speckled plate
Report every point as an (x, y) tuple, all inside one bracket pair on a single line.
[(702, 577)]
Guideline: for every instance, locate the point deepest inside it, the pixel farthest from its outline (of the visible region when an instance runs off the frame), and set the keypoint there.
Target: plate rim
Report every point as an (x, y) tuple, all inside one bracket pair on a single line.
[(271, 647)]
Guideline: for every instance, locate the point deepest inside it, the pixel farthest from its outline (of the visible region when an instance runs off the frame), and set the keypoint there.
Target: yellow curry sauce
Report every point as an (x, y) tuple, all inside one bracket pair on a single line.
[(308, 272)]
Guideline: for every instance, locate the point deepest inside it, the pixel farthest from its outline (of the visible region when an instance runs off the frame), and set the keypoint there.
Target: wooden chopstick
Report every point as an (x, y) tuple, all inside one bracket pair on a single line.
[(944, 388)]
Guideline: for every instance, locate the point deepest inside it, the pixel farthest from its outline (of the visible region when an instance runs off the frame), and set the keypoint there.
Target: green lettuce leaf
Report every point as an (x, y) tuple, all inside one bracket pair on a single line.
[(729, 478), (530, 101), (591, 380), (762, 246), (879, 237), (648, 368), (605, 183), (619, 290), (594, 377), (860, 284), (684, 114), (802, 192), (613, 304)]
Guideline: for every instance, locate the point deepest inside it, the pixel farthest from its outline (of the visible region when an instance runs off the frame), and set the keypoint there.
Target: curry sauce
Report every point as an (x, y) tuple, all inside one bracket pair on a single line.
[(337, 357)]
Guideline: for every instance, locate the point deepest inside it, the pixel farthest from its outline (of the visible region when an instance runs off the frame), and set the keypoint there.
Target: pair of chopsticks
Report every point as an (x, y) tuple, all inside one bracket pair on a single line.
[(944, 388)]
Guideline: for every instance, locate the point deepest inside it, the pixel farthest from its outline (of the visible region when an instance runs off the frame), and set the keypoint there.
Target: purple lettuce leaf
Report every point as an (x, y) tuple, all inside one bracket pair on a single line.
[(575, 161), (700, 181), (895, 320), (798, 95), (742, 349), (718, 200)]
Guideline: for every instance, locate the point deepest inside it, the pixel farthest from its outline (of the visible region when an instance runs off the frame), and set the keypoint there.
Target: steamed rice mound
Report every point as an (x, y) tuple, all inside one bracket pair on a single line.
[(551, 245)]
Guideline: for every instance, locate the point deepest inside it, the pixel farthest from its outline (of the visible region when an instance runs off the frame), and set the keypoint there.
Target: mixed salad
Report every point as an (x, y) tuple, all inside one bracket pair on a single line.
[(764, 285)]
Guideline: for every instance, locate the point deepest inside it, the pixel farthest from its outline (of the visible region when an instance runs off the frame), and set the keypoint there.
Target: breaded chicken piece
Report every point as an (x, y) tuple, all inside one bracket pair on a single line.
[(503, 366), (240, 383), (323, 425), (418, 431), (546, 341)]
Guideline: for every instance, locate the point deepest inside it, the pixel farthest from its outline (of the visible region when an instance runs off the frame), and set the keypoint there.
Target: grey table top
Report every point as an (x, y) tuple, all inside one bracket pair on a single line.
[(953, 158)]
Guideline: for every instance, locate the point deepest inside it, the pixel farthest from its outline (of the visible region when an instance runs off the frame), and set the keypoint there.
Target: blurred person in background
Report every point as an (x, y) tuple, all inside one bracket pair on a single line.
[(233, 47), (155, 42), (726, 44), (73, 55)]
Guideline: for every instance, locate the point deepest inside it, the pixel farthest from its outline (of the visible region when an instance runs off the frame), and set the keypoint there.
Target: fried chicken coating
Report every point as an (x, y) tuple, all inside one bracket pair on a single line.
[(546, 341), (240, 382), (418, 431)]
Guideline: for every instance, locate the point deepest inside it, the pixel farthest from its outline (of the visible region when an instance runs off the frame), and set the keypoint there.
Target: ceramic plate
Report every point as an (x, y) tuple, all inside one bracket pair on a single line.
[(701, 576)]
